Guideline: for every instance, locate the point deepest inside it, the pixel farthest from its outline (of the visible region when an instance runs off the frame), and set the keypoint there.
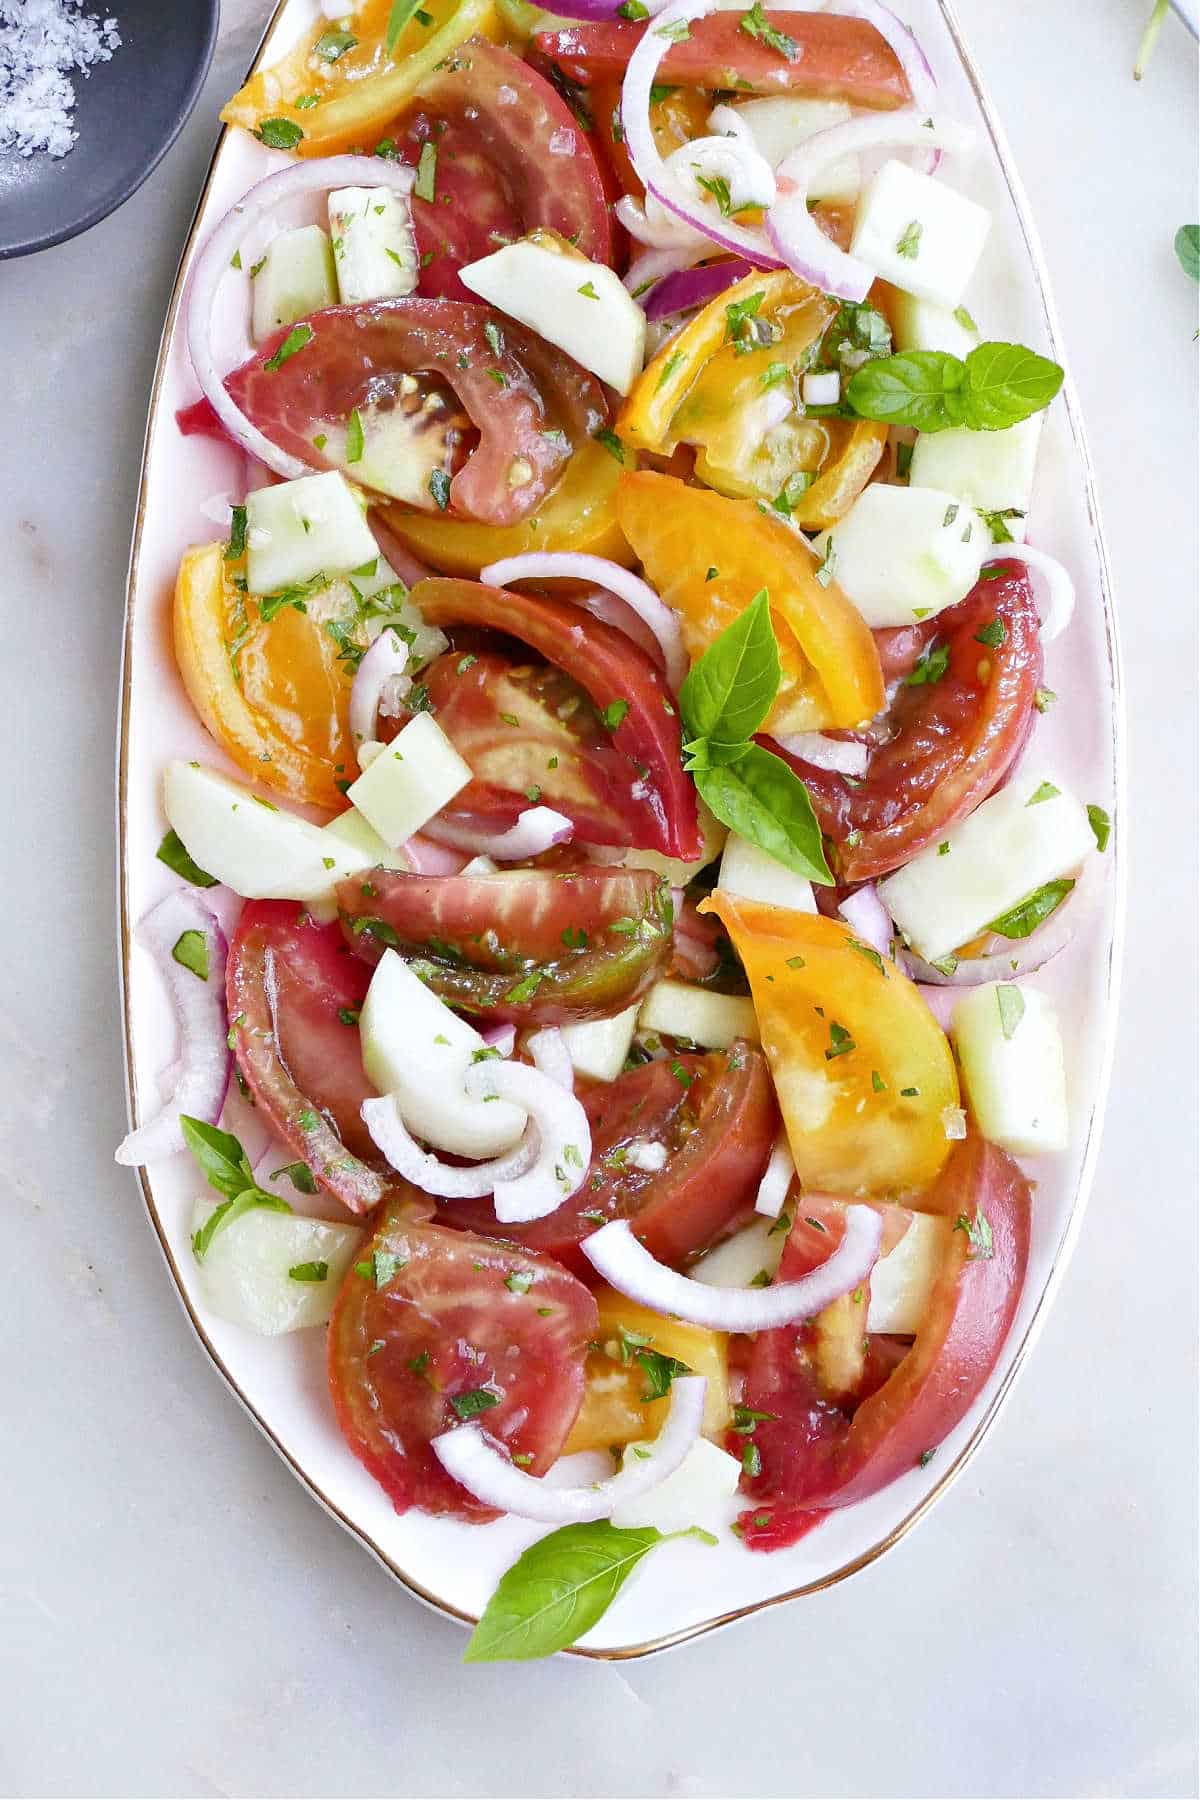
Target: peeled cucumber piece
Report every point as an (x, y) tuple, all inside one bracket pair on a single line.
[(750, 872), (920, 234), (418, 1051), (299, 529), (1010, 1051), (246, 1272), (779, 123), (410, 780), (598, 1047), (902, 554), (1031, 832), (374, 247), (697, 1493), (294, 278), (992, 470), (578, 305), (705, 1017), (924, 325)]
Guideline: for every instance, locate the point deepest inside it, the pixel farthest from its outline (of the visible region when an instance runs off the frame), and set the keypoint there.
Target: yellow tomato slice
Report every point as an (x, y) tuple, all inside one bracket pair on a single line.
[(273, 693), (360, 92), (862, 1069), (579, 515), (613, 1410), (708, 556)]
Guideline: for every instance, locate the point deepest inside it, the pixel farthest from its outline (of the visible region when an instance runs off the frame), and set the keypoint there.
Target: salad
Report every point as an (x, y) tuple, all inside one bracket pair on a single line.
[(632, 659)]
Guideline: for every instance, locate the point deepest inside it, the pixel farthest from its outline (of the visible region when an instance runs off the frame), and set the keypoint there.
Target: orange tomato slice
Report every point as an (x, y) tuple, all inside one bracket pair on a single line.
[(614, 1409), (862, 1070), (273, 693), (708, 556)]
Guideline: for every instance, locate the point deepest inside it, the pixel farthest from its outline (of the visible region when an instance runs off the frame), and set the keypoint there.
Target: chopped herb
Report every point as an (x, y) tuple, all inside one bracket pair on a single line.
[(172, 852), (1029, 913), (1101, 825), (279, 134), (870, 952), (926, 1456), (1046, 791), (633, 9), (909, 241), (380, 1266), (402, 11), (476, 1401), (439, 487), (575, 937), (681, 1075), (354, 437), (668, 369), (877, 1082), (840, 1041), (520, 1281), (756, 25), (676, 33), (425, 185), (526, 988), (332, 44), (718, 187), (236, 547), (295, 340), (1044, 699), (993, 634), (828, 563), (796, 962), (904, 455), (1010, 1003), (420, 1363), (309, 1271), (979, 1236), (613, 714), (751, 1460), (611, 442), (773, 374), (930, 667), (588, 290)]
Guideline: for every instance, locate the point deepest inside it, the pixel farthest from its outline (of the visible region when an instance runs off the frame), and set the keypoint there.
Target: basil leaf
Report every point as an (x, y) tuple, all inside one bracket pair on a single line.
[(1006, 383), (728, 693), (222, 1160), (558, 1588), (1101, 825), (279, 134), (228, 1213), (172, 852), (1187, 249), (1025, 917), (402, 11), (660, 1372), (761, 799), (190, 951), (921, 388), (300, 1176)]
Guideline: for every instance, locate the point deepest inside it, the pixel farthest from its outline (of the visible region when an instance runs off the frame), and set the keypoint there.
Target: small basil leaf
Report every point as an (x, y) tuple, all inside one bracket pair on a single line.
[(728, 693), (921, 388), (558, 1588), (172, 852), (228, 1213), (761, 799), (1187, 249), (222, 1160), (1006, 383), (1029, 913)]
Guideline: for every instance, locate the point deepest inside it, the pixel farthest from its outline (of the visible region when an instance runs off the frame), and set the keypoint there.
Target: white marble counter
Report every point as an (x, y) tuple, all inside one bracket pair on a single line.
[(178, 1617)]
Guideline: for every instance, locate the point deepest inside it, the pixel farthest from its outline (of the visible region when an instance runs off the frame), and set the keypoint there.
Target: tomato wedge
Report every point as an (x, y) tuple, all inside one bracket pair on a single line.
[(530, 947), (715, 1114), (837, 58), (621, 680), (510, 158), (432, 1328), (862, 1069), (293, 992), (814, 1452), (947, 740), (378, 357)]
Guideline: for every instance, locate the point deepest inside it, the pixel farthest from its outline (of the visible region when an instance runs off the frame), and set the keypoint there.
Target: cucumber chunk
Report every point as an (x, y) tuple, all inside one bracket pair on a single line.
[(374, 247), (299, 529), (1010, 1051), (598, 1047), (992, 470), (579, 305), (923, 325), (246, 1275), (779, 124), (294, 278), (919, 234), (698, 1014), (902, 554), (750, 872), (698, 1492), (412, 778)]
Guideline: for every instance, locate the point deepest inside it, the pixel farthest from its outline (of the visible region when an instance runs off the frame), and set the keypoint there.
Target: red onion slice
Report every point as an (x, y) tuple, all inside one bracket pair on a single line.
[(563, 1133), (792, 229), (205, 1060), (653, 265), (922, 83), (426, 857), (537, 829), (380, 671), (615, 1253), (636, 593), (777, 1179), (1014, 957), (472, 1181), (214, 263), (686, 288), (865, 912), (478, 1463)]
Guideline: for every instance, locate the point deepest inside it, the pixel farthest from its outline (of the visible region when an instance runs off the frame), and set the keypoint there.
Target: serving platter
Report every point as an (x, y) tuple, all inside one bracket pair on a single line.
[(687, 1588)]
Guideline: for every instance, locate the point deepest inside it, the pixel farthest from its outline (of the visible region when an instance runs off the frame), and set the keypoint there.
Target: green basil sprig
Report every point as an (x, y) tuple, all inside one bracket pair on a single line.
[(558, 1588), (225, 1166), (724, 700), (996, 386)]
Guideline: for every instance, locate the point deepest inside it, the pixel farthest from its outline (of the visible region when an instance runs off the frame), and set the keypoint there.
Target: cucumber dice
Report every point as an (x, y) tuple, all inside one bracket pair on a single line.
[(698, 1014), (992, 470), (598, 1047), (779, 124), (351, 829), (1030, 833), (919, 234), (294, 278), (698, 1492), (300, 529), (902, 554), (412, 778), (1011, 1054), (273, 1272), (750, 872), (374, 247)]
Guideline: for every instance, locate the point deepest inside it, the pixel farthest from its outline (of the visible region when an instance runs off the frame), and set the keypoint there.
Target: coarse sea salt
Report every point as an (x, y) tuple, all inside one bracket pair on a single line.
[(41, 43)]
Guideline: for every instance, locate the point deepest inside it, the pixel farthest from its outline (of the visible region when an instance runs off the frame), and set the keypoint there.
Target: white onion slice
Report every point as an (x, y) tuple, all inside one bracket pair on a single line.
[(317, 175), (475, 1461), (791, 228), (1061, 598), (205, 1060), (381, 669), (870, 918), (563, 1133), (537, 829), (615, 1253), (842, 757), (429, 858), (939, 1000), (395, 1142), (636, 593), (777, 1179), (548, 1049)]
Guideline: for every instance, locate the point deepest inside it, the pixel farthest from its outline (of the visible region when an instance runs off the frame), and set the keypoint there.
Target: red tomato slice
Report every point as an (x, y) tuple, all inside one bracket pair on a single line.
[(510, 158), (945, 744), (657, 809), (837, 58), (538, 947), (358, 358), (288, 983), (815, 1453), (429, 1318), (716, 1116)]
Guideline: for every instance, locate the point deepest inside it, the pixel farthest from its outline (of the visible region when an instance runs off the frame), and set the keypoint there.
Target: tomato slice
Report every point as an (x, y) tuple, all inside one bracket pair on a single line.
[(618, 1402), (293, 992), (434, 1327), (622, 682), (946, 743), (372, 358), (534, 946), (708, 556), (510, 158), (817, 1453), (838, 58), (716, 1116), (862, 1069)]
